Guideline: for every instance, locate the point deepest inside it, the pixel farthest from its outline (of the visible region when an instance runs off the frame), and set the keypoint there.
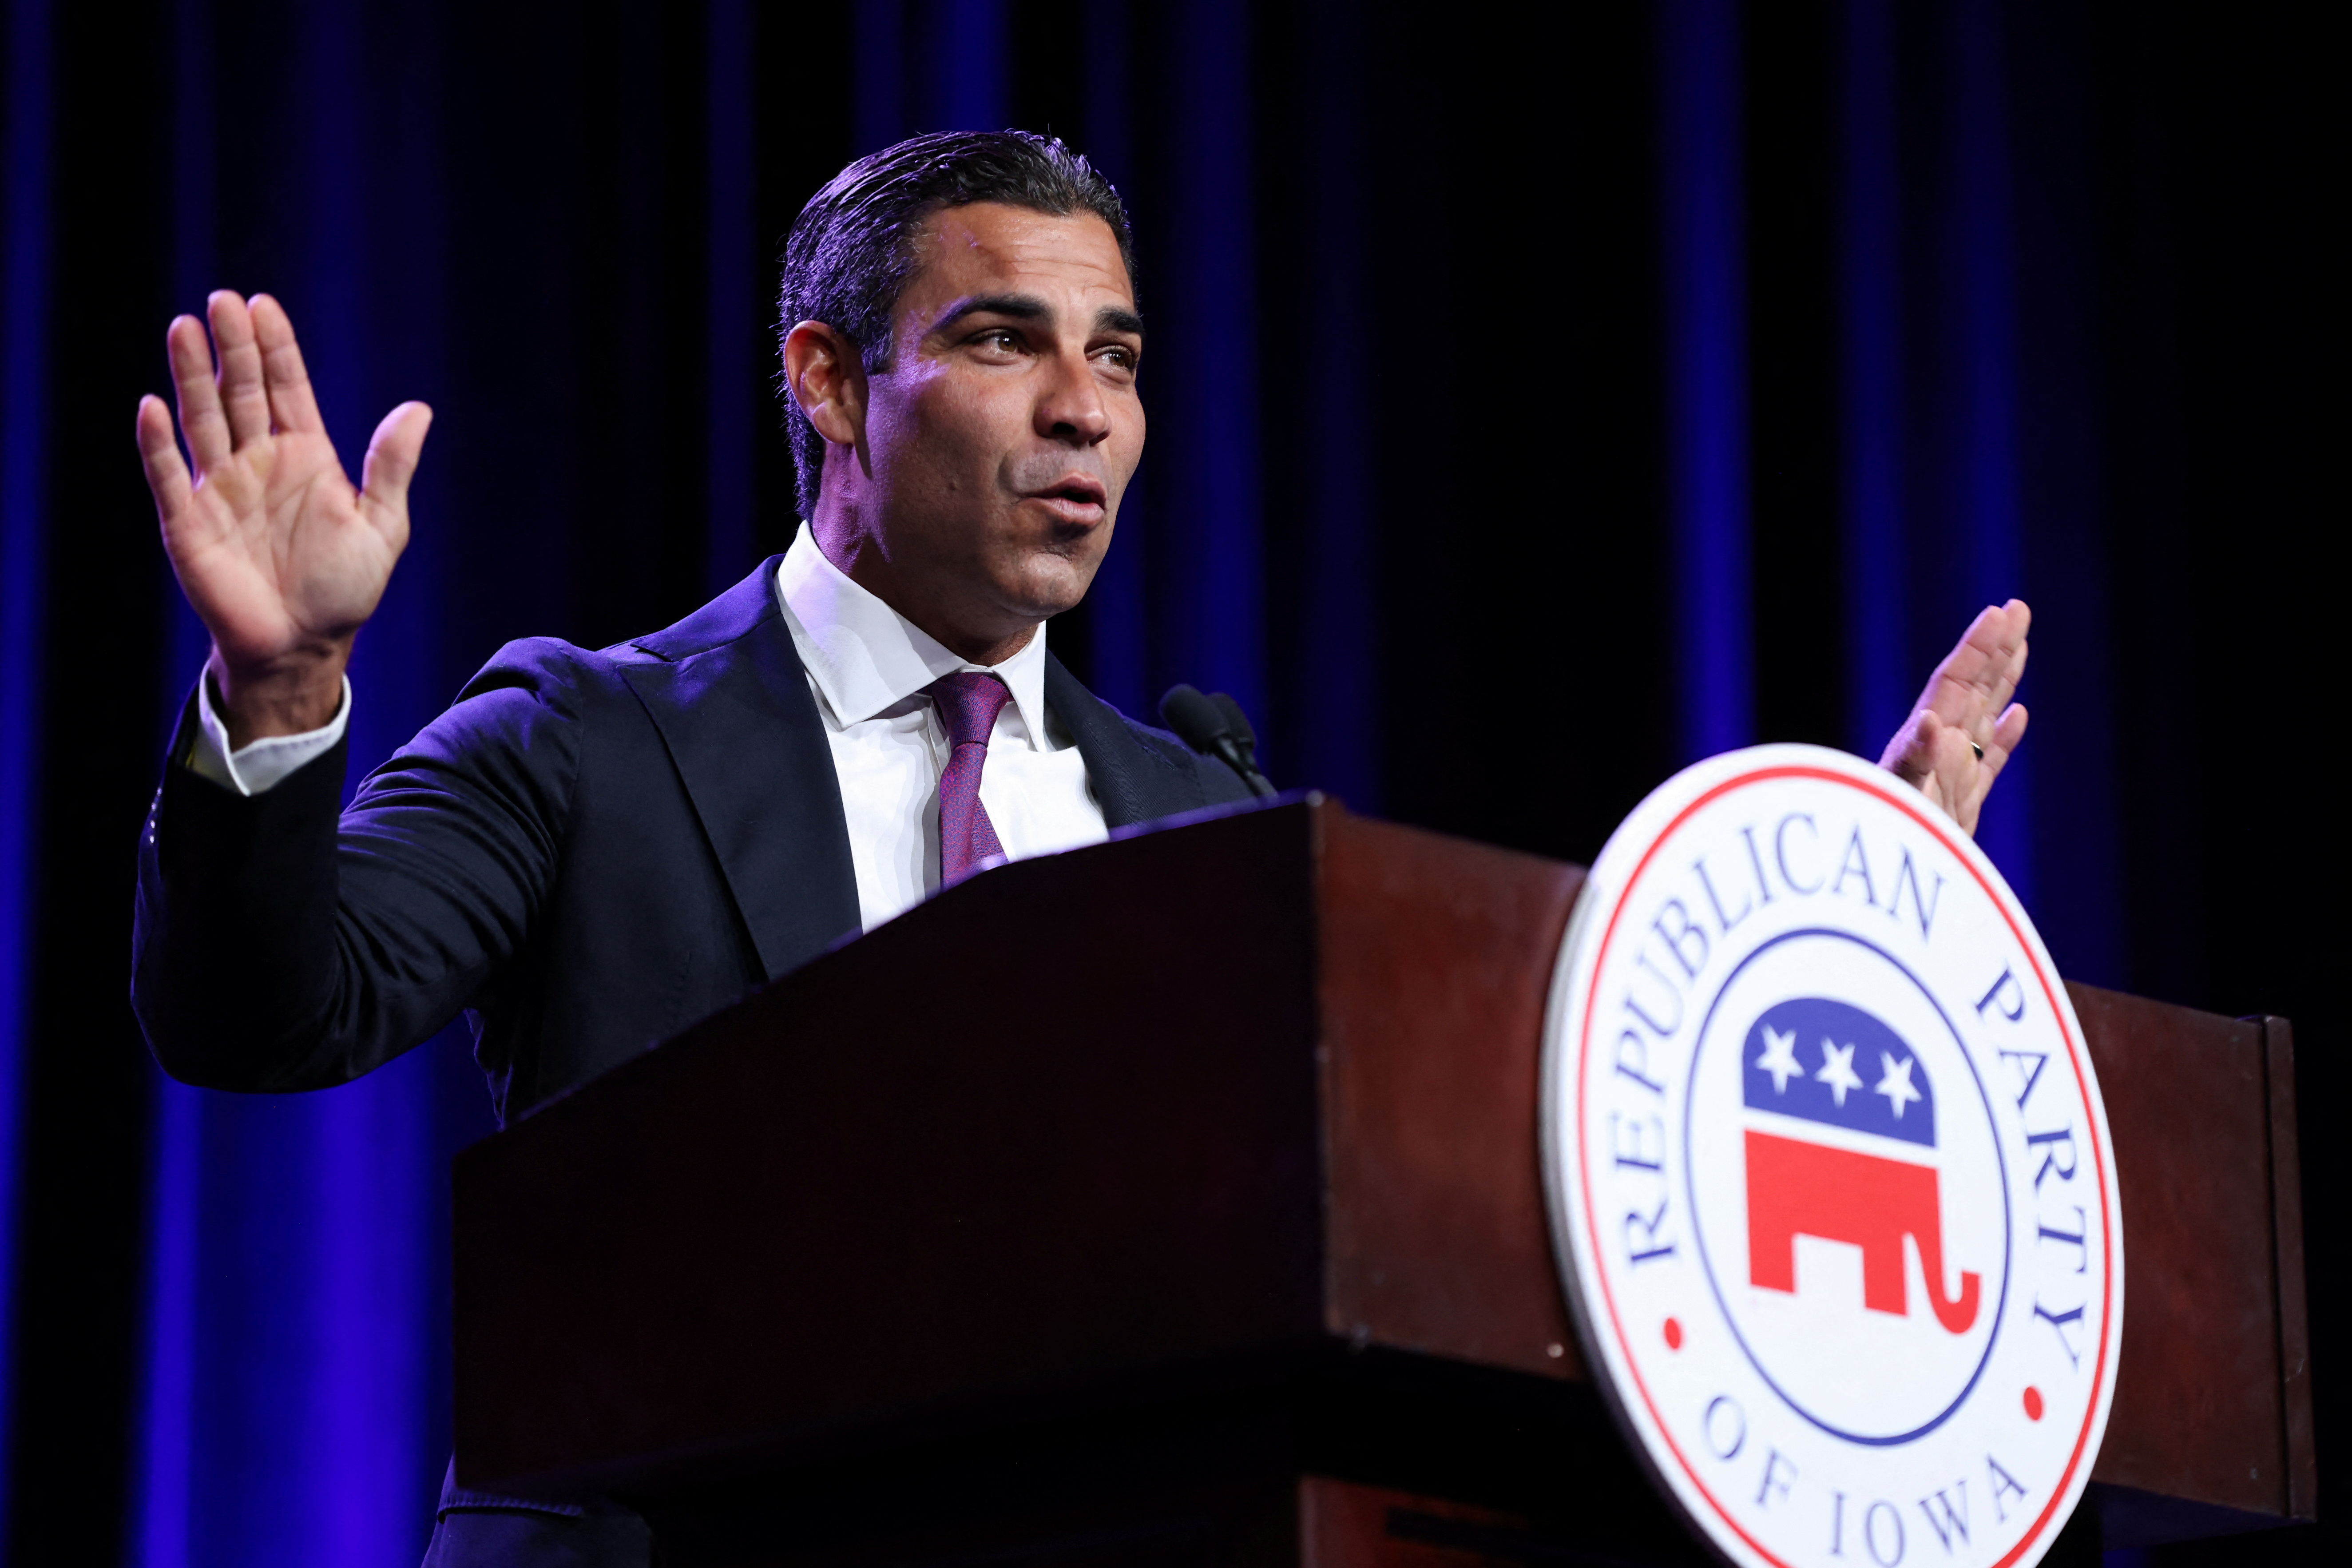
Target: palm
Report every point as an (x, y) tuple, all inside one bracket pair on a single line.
[(276, 548), (277, 551), (1962, 730)]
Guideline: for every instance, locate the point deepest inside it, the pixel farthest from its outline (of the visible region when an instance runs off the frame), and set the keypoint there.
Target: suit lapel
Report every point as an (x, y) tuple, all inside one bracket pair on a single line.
[(1133, 779), (733, 705), (727, 690)]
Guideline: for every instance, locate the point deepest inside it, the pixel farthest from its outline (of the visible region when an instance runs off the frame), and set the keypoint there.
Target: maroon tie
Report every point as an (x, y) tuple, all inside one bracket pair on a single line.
[(968, 703)]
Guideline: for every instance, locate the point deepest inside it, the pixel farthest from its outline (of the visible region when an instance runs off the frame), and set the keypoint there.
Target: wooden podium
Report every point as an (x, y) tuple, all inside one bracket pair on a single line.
[(1177, 1200)]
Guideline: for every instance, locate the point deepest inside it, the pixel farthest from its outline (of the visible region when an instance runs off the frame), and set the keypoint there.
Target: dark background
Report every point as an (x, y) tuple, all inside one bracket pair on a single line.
[(1535, 407)]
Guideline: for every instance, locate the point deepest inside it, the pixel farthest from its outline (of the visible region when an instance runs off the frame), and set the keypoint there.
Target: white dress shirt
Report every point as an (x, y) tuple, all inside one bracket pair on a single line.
[(867, 665)]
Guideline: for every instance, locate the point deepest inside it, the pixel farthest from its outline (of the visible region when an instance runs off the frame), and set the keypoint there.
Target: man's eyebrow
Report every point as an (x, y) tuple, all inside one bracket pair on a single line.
[(1030, 308), (1118, 318), (1020, 307)]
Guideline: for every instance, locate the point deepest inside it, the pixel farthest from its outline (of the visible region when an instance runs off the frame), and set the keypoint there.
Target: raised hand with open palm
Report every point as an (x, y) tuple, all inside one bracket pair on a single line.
[(1964, 727), (280, 555)]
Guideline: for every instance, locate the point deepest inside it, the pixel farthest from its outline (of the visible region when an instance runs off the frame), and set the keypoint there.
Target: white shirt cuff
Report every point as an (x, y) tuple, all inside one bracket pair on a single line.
[(255, 768)]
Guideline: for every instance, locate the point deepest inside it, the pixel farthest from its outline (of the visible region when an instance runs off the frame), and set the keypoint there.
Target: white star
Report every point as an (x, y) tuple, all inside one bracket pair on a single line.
[(1896, 1085), (1837, 1070), (1779, 1059)]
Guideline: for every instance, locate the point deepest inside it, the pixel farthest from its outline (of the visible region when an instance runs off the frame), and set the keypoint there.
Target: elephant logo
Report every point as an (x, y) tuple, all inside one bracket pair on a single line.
[(1829, 1175), (1814, 1060)]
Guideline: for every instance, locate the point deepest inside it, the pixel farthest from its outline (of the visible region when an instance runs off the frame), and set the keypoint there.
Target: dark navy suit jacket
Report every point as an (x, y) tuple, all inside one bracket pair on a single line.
[(586, 853)]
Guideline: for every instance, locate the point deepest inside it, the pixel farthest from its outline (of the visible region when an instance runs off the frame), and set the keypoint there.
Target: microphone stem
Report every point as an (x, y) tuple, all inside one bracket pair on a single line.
[(1230, 752)]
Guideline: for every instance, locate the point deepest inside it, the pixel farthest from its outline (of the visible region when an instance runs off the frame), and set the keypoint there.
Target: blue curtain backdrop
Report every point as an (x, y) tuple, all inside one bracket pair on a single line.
[(1535, 408), (23, 507)]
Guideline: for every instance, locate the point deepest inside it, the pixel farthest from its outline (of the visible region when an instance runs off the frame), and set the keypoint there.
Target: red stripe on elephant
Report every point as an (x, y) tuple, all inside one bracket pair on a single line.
[(1803, 1189)]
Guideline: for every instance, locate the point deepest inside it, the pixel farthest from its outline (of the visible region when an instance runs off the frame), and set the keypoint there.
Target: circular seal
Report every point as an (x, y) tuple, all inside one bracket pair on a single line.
[(1829, 1174)]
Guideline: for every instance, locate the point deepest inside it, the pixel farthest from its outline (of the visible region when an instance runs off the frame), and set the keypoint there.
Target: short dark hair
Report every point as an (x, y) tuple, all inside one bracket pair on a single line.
[(852, 250)]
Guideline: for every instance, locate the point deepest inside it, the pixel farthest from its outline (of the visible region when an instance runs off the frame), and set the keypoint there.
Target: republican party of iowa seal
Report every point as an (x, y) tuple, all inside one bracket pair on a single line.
[(1829, 1174)]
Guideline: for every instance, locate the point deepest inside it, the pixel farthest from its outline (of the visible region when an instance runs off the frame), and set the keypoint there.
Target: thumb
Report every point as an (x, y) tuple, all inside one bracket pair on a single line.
[(392, 456), (1911, 754)]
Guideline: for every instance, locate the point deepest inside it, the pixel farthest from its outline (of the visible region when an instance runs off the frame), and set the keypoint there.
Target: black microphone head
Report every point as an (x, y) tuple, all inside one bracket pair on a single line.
[(1237, 723), (1196, 720)]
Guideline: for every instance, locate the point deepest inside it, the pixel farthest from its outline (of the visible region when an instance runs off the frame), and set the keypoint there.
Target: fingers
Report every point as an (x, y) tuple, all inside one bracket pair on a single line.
[(159, 454), (1944, 769), (201, 419), (1999, 629), (1982, 671), (1999, 748), (241, 393), (2006, 734), (1953, 747), (2002, 633), (285, 379), (1939, 761), (1957, 777), (392, 456), (1993, 648)]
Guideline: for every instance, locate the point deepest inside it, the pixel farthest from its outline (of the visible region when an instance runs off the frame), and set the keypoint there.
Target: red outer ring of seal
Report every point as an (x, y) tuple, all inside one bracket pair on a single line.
[(2074, 1055)]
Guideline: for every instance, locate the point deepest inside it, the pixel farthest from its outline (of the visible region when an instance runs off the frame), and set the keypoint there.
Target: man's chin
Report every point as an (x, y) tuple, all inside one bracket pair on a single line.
[(1051, 586)]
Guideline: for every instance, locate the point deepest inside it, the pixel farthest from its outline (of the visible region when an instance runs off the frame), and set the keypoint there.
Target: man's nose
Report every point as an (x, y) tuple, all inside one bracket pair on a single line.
[(1071, 407)]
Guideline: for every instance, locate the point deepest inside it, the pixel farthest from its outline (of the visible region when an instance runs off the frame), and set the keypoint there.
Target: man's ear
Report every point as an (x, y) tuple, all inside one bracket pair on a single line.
[(827, 379)]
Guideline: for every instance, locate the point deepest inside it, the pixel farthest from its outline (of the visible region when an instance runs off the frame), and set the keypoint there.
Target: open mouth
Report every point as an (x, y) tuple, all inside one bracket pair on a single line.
[(1076, 498)]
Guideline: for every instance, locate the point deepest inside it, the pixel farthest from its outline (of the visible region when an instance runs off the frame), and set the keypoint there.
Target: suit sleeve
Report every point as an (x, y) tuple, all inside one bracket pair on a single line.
[(281, 945)]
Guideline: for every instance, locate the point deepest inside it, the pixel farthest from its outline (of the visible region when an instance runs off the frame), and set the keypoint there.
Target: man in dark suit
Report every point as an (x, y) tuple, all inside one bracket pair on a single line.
[(590, 851)]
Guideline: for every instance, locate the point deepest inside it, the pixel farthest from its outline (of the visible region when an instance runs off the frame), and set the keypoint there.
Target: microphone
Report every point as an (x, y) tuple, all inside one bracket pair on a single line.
[(1237, 724), (1215, 726)]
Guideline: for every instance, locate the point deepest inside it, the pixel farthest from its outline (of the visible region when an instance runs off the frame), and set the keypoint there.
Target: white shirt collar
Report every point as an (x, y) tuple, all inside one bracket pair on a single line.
[(865, 657)]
